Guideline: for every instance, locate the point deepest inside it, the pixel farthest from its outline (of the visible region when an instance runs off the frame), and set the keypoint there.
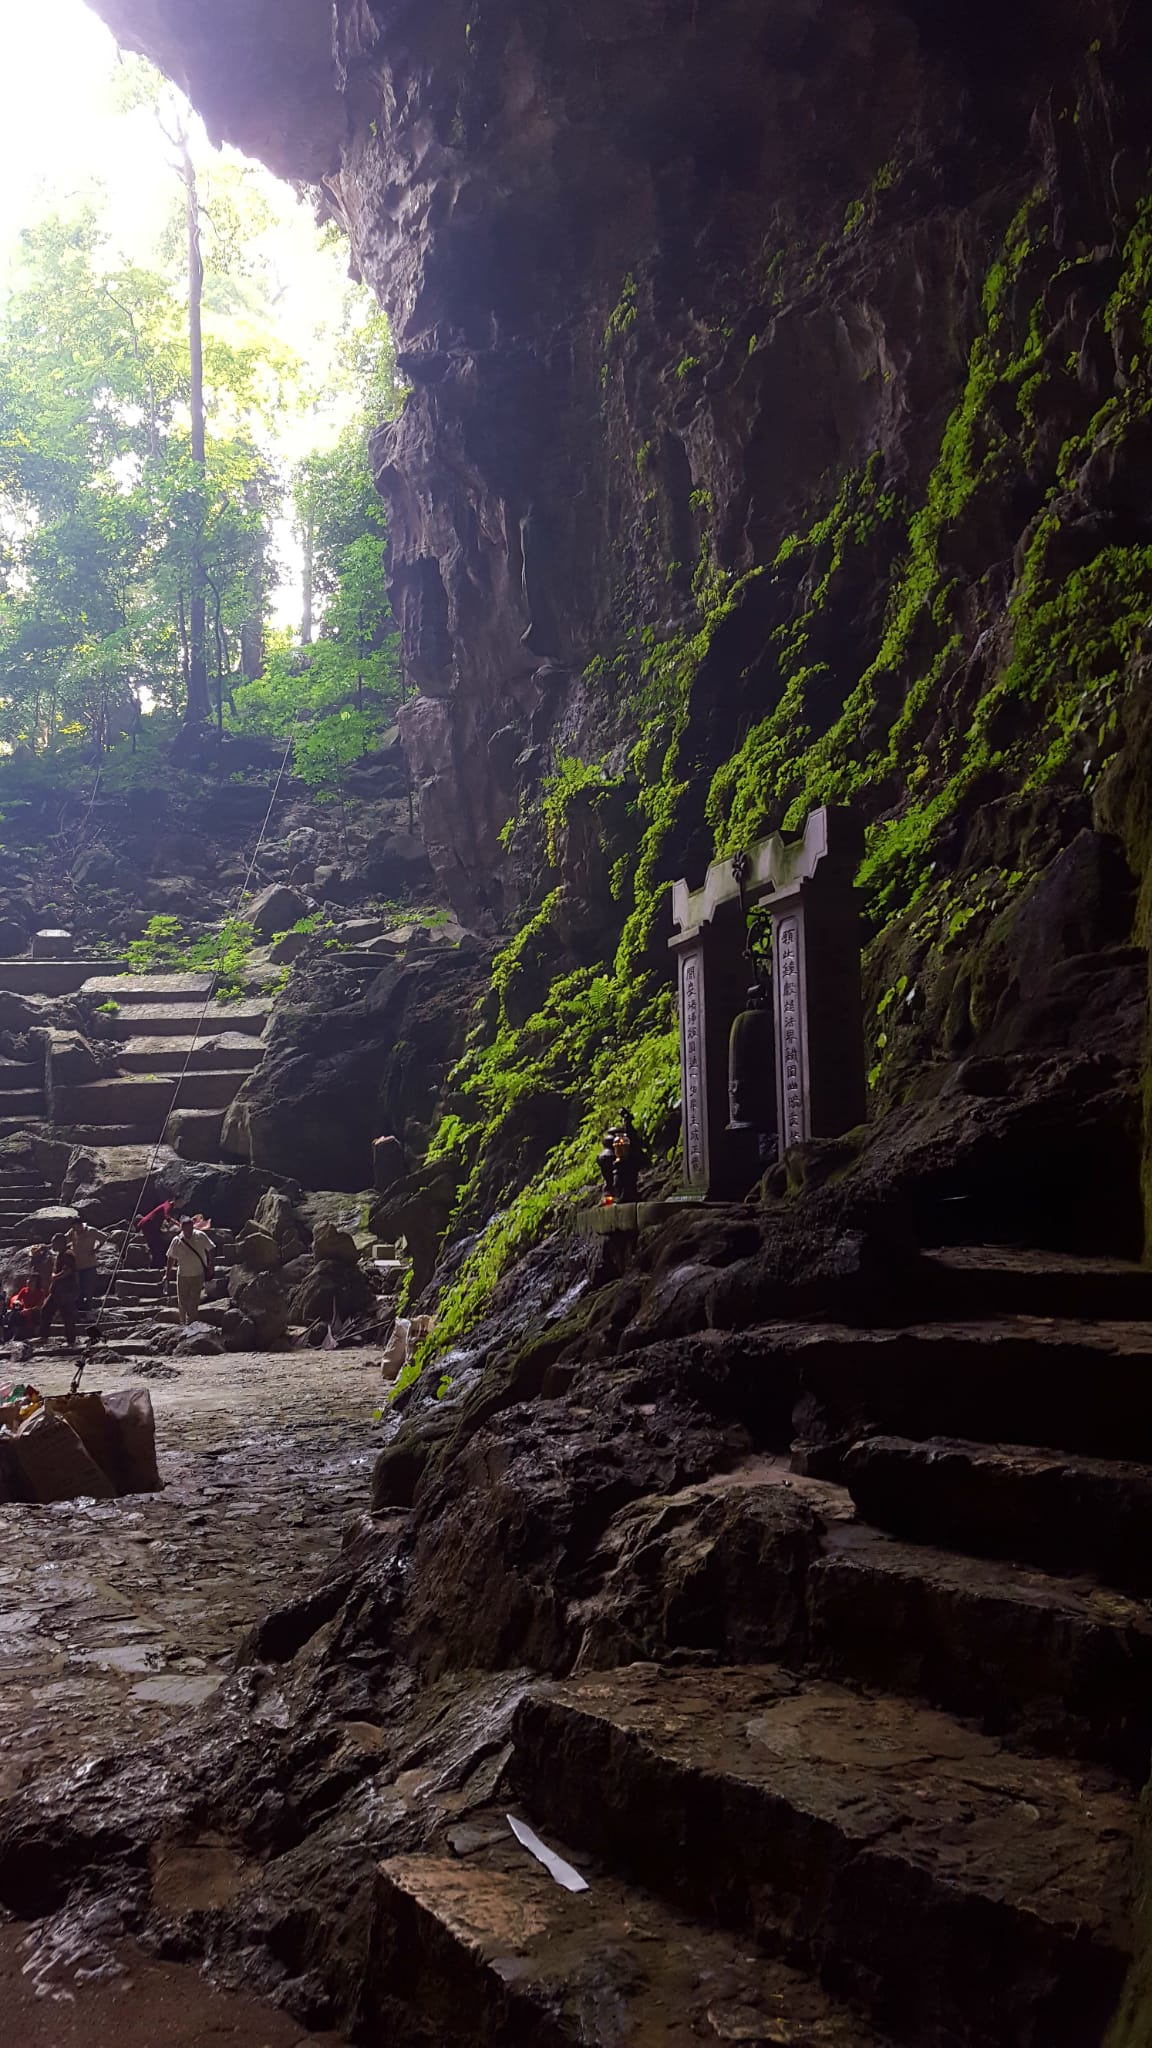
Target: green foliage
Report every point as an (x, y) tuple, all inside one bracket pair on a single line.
[(572, 779), (333, 702), (909, 732), (225, 952), (104, 506), (572, 1044), (336, 696), (622, 319)]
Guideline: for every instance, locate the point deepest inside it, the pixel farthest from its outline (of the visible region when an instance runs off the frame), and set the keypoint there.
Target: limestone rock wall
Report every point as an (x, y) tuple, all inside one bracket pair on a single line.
[(777, 433)]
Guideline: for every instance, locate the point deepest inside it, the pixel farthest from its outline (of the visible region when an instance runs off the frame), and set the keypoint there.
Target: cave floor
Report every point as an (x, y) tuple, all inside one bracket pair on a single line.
[(118, 1619)]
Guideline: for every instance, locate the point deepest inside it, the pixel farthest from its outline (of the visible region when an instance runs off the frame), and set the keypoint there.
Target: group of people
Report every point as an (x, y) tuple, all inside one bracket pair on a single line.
[(60, 1281), (61, 1277)]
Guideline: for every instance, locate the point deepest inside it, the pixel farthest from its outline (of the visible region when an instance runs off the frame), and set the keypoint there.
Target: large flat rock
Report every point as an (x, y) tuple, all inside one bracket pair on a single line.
[(966, 1894), (168, 1019), (148, 988)]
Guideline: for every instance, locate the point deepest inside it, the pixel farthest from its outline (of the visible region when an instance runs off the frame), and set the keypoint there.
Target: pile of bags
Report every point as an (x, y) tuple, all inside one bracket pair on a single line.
[(76, 1446)]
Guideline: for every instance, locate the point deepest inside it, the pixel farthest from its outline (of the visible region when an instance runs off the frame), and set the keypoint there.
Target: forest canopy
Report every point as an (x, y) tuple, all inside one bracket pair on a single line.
[(151, 481)]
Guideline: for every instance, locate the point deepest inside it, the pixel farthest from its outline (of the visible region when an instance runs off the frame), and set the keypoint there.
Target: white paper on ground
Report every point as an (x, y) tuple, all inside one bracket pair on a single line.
[(555, 1865)]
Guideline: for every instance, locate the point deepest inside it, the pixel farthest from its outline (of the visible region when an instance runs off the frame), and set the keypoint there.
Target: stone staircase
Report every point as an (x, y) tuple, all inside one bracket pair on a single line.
[(882, 1786), (22, 1098), (22, 1191), (166, 1038)]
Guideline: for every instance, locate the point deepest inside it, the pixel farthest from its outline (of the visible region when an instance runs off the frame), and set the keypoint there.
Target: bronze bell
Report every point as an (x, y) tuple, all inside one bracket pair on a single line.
[(752, 1066)]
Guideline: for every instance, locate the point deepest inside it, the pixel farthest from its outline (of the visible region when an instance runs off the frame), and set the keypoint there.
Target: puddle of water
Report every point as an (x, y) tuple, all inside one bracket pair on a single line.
[(134, 1657), (174, 1691)]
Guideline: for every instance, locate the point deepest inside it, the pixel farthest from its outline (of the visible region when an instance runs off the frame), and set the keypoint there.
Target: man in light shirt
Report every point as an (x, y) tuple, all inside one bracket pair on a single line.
[(190, 1258), (85, 1241)]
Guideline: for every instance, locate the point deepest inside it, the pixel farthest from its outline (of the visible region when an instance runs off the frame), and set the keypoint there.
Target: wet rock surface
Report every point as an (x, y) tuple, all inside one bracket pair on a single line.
[(773, 1737), (122, 1617)]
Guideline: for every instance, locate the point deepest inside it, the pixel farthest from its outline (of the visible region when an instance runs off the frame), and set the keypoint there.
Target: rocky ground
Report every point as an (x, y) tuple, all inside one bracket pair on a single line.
[(120, 1619), (801, 1629)]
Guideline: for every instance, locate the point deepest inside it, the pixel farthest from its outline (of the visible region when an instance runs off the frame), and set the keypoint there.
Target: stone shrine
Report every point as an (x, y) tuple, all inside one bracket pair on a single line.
[(808, 888)]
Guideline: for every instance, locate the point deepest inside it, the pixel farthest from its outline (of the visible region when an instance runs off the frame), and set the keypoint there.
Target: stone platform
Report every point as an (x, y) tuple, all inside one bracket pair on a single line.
[(628, 1219)]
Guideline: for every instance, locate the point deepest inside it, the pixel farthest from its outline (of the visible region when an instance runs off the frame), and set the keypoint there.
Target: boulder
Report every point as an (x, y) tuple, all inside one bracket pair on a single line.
[(13, 938), (50, 1157), (288, 948), (71, 1061), (276, 909), (53, 944), (195, 1133), (198, 1340), (418, 1210), (239, 1333), (41, 1225), (331, 1287), (276, 1215), (330, 1243), (258, 1251), (395, 860), (22, 1013), (54, 1464), (261, 1298), (100, 869), (105, 1183), (349, 1057)]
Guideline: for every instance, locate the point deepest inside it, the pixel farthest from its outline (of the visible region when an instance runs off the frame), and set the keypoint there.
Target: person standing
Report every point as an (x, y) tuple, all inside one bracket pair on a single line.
[(62, 1294), (190, 1255), (84, 1240)]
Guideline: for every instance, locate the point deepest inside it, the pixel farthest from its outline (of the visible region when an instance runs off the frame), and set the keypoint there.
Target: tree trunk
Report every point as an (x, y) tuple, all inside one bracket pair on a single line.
[(221, 660), (199, 704), (252, 630), (306, 623)]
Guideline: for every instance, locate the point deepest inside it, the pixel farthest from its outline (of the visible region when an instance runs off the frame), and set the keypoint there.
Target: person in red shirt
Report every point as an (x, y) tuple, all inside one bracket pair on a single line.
[(24, 1309), (155, 1229)]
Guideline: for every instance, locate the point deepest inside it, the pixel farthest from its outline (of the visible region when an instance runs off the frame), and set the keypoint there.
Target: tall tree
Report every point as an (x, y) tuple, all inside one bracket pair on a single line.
[(198, 708)]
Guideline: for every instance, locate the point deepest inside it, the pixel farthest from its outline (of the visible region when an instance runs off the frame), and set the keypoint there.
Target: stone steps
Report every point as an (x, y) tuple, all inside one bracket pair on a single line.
[(230, 1051), (1061, 1665), (144, 1100), (979, 1282), (606, 1965), (1062, 1513), (954, 1892), (160, 1019), (31, 977), (17, 1102), (129, 989), (1080, 1387), (98, 1136)]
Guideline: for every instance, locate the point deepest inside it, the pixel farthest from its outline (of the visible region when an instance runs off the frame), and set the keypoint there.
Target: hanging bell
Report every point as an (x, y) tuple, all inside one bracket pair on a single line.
[(752, 1066)]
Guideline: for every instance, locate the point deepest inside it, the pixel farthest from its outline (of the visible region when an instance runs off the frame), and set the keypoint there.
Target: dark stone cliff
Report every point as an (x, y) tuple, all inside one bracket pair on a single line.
[(777, 432)]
